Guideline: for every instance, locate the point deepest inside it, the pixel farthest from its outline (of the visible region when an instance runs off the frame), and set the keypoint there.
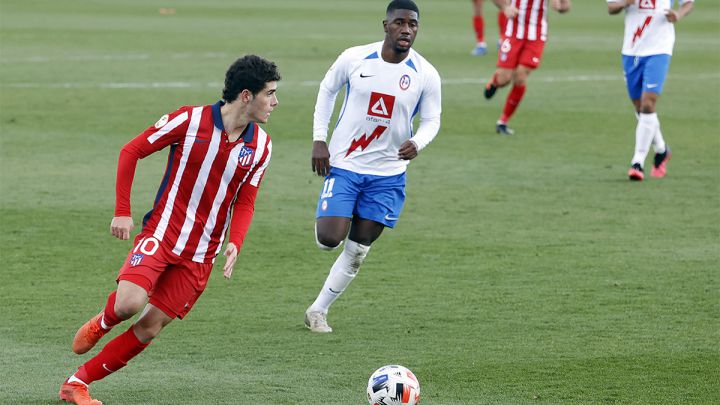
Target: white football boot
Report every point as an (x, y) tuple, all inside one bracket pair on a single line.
[(316, 321)]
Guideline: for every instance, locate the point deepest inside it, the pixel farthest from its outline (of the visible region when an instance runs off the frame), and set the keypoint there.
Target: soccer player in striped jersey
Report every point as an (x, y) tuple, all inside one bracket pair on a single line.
[(523, 40), (386, 84), (646, 52), (217, 157)]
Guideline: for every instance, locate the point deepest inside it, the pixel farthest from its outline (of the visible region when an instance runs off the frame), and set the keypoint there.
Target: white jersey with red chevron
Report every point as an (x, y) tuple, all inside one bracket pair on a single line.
[(204, 174), (647, 30), (381, 100), (531, 21)]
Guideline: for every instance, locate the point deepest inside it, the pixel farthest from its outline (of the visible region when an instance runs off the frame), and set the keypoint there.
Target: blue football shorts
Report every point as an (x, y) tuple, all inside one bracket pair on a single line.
[(645, 73), (347, 194)]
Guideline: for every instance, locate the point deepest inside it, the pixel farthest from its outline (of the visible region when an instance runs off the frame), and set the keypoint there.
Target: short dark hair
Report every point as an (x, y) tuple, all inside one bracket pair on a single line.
[(249, 72), (403, 5)]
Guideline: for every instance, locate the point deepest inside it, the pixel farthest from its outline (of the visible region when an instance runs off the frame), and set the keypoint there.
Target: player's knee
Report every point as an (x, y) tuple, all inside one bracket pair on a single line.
[(647, 108), (147, 332), (126, 307), (327, 243)]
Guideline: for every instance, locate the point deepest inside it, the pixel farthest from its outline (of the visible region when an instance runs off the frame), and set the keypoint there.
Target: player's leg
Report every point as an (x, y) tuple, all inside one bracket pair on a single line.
[(379, 205), (121, 304), (647, 75), (479, 27), (508, 60), (529, 58), (516, 94), (632, 69), (143, 266), (334, 213), (654, 76), (335, 208), (501, 78)]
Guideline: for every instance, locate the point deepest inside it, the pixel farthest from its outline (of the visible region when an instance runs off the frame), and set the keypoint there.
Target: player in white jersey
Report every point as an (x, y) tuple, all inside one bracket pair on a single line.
[(647, 48), (386, 84)]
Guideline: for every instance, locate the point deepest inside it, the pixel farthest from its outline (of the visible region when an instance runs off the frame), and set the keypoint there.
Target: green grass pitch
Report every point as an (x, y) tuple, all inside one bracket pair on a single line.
[(524, 269)]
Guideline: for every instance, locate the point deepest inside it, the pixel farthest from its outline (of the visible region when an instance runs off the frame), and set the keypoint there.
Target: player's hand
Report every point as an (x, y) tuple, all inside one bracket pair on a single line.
[(671, 15), (120, 227), (231, 253), (408, 150), (510, 11), (320, 158)]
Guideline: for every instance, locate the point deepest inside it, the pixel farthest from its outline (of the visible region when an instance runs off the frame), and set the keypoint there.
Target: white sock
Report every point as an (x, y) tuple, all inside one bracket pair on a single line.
[(103, 324), (647, 127), (75, 379), (341, 274), (658, 141)]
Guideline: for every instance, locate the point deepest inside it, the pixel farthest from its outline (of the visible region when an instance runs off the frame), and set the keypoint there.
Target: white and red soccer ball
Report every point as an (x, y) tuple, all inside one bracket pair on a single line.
[(393, 385)]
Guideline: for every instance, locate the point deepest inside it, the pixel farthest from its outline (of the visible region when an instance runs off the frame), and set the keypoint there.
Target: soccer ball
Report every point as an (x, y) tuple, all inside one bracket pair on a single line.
[(393, 385)]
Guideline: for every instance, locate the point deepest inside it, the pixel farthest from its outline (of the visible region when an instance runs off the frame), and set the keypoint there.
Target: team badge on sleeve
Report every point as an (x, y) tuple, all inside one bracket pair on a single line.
[(245, 156), (162, 121)]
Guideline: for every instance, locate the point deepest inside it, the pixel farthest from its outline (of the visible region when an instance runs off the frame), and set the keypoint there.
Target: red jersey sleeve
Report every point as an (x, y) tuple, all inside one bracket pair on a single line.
[(170, 129), (243, 211), (245, 203)]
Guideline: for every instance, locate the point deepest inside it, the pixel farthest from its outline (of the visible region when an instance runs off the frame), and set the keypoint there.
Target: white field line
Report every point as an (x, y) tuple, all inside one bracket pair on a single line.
[(315, 83)]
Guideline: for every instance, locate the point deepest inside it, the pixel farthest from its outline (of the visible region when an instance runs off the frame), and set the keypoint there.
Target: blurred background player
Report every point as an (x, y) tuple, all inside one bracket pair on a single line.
[(386, 84), (646, 52), (522, 42), (479, 28), (218, 156)]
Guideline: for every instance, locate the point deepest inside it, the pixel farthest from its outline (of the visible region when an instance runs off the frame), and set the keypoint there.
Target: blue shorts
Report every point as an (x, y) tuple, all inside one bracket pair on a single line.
[(377, 198), (645, 73)]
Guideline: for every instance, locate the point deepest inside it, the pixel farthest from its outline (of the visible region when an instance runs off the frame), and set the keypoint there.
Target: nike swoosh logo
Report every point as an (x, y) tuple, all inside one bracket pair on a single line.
[(651, 86), (364, 76), (106, 368), (202, 141), (389, 218)]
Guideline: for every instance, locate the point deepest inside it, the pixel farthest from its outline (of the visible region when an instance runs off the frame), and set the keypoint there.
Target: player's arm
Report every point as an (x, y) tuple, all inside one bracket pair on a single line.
[(616, 6), (243, 210), (685, 8), (430, 110), (242, 214), (561, 6), (506, 7), (335, 78), (169, 129)]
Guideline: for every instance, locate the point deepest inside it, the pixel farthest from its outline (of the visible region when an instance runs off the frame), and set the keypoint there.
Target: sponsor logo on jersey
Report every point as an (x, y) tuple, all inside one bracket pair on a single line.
[(363, 141), (647, 4), (639, 31), (245, 156), (162, 121), (404, 82), (381, 105), (136, 259)]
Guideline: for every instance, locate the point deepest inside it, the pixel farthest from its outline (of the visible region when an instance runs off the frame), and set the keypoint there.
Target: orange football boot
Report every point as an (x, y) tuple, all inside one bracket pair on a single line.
[(76, 393), (88, 335)]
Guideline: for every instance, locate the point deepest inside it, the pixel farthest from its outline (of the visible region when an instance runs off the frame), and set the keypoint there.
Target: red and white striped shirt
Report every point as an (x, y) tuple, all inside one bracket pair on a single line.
[(531, 21), (207, 178)]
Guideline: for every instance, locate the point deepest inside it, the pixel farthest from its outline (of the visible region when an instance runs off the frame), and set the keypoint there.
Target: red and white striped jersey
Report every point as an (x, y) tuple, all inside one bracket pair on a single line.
[(531, 21), (206, 174)]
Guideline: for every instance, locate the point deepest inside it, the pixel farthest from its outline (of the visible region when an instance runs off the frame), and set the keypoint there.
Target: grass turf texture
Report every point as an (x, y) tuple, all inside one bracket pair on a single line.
[(524, 269)]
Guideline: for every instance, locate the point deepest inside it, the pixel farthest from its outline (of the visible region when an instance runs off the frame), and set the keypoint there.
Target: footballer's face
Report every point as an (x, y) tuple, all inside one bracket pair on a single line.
[(400, 29), (263, 103)]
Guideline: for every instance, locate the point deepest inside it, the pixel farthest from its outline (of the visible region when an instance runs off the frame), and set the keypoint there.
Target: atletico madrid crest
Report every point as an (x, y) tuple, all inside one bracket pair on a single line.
[(136, 259), (245, 156)]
